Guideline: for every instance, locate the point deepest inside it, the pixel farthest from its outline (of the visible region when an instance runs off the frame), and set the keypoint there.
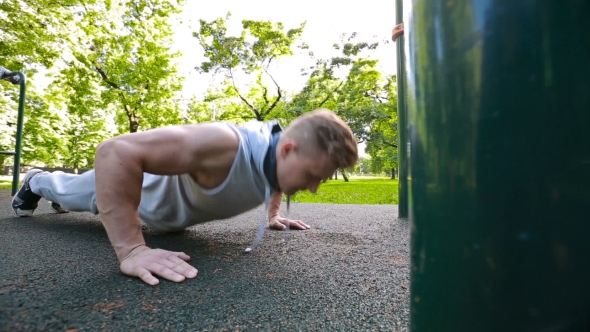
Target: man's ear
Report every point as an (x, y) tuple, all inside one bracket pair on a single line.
[(288, 146)]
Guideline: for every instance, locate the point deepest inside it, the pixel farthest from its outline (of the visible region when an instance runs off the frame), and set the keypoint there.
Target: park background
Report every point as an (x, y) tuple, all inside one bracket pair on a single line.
[(97, 69)]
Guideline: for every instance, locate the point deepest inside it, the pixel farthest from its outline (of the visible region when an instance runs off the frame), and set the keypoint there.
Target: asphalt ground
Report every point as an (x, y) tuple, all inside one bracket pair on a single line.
[(349, 272)]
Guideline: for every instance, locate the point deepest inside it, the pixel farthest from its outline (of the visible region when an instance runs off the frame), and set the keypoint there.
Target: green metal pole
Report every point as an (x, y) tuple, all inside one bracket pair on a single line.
[(402, 147), (499, 124), (19, 134)]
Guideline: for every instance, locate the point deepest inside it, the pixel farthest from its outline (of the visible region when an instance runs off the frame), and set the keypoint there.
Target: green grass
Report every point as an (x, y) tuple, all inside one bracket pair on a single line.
[(5, 181), (356, 191)]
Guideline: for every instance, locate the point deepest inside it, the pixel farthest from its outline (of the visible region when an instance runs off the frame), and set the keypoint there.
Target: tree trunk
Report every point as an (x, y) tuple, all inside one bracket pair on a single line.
[(393, 173), (133, 121), (344, 175), (2, 159)]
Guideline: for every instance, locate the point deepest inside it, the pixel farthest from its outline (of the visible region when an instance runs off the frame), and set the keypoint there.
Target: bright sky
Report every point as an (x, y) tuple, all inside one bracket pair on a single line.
[(372, 20)]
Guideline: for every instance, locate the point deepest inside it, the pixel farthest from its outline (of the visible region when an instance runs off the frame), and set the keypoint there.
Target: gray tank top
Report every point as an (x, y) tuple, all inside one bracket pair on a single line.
[(170, 203)]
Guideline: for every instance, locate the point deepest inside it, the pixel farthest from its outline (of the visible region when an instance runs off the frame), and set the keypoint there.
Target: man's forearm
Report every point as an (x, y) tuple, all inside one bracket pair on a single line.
[(118, 192), (274, 205), (124, 234)]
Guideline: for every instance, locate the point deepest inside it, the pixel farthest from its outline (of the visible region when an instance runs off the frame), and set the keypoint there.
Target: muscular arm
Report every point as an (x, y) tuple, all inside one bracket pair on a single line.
[(274, 205), (121, 162)]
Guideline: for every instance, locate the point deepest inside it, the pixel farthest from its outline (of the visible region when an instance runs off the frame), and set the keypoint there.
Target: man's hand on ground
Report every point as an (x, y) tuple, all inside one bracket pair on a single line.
[(144, 263), (281, 223)]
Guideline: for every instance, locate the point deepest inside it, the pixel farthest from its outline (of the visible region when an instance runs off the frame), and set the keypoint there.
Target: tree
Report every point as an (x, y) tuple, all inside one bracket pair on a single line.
[(106, 58), (31, 31), (42, 133), (382, 142), (383, 160), (221, 104), (363, 166), (352, 86), (123, 47), (31, 37), (86, 124), (41, 130), (260, 44)]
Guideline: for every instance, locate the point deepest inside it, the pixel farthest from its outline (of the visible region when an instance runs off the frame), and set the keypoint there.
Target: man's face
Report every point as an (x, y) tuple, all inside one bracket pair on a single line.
[(298, 171)]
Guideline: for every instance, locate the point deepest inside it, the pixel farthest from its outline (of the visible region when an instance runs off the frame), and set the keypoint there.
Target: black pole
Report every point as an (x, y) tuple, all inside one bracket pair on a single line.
[(19, 134), (402, 146), (16, 78), (499, 126)]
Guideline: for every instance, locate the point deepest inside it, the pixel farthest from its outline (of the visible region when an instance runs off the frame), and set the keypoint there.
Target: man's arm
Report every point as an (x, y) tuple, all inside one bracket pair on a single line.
[(275, 221), (119, 167), (274, 205)]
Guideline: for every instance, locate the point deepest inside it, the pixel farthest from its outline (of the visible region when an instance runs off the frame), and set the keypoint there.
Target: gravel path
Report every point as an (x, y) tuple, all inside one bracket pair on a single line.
[(350, 272)]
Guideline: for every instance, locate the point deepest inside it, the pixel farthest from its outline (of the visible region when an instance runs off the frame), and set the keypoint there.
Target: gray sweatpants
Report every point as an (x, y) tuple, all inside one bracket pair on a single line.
[(74, 192)]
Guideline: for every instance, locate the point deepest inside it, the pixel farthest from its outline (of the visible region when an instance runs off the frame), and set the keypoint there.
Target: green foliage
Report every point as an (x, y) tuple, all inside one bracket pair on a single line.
[(355, 191), (5, 184), (383, 161), (382, 142), (351, 85), (362, 97), (85, 124), (42, 134), (363, 166), (32, 35), (31, 31), (42, 139), (114, 72), (123, 47), (260, 44), (9, 95)]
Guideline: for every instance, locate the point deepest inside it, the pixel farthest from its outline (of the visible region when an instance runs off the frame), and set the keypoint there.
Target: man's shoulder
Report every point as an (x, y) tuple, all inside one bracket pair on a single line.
[(256, 136), (258, 123), (263, 128)]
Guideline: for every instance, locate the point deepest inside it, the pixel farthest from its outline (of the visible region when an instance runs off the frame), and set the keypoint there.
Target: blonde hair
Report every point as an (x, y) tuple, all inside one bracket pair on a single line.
[(325, 132)]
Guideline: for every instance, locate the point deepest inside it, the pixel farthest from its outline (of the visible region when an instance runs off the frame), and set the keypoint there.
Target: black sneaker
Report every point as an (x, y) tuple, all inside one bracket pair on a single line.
[(57, 208), (25, 201)]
